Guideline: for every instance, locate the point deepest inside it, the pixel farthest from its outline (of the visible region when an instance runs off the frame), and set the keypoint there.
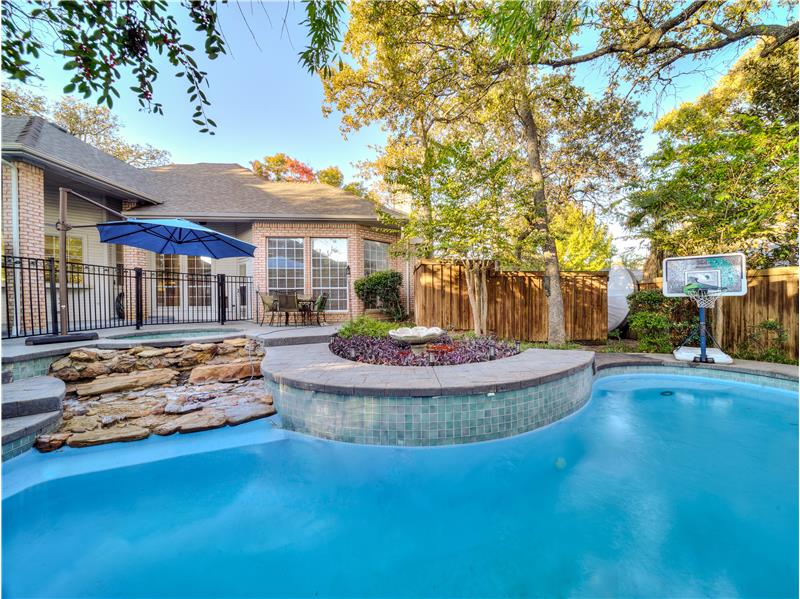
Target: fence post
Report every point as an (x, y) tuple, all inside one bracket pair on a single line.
[(51, 274), (221, 297), (138, 298)]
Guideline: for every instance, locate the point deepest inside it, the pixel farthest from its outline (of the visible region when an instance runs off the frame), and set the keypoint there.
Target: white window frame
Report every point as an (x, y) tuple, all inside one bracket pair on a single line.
[(343, 290), (278, 279), (374, 243)]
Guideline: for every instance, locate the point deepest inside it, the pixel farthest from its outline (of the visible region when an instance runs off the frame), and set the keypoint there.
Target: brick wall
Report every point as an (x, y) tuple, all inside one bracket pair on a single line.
[(355, 235), (30, 190), (136, 258)]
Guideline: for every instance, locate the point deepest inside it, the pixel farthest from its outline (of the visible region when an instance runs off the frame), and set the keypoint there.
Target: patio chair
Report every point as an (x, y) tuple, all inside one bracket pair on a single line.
[(305, 304), (269, 303), (319, 309), (287, 303)]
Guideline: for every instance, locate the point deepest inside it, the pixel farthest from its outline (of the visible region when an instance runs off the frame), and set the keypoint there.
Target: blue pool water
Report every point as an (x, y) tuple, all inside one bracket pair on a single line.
[(638, 494)]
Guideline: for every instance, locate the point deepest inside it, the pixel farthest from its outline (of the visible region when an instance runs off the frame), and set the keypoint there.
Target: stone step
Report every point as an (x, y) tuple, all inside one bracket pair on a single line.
[(28, 397), (20, 433)]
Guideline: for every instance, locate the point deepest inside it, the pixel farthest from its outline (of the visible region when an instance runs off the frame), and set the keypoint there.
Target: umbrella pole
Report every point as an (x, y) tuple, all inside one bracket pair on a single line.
[(63, 227)]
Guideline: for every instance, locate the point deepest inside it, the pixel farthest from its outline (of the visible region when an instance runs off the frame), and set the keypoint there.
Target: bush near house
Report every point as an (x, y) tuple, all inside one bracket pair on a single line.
[(766, 342), (364, 326), (664, 322), (382, 289)]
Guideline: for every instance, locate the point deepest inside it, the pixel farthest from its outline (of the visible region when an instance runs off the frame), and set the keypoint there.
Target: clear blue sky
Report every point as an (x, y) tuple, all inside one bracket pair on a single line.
[(264, 102)]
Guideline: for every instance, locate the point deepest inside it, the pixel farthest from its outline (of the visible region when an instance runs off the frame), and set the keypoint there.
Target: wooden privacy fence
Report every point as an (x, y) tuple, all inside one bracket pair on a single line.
[(771, 294), (517, 302)]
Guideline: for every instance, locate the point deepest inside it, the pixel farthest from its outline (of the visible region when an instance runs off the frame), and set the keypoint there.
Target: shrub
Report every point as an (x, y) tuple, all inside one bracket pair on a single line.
[(382, 289), (766, 342), (544, 345), (681, 313), (653, 331), (364, 326)]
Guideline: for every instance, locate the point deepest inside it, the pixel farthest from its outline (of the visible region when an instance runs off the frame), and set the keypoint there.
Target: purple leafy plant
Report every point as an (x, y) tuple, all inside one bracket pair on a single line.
[(389, 352)]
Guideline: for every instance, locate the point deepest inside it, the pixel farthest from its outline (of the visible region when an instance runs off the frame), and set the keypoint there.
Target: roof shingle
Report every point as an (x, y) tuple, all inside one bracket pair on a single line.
[(50, 143), (208, 190)]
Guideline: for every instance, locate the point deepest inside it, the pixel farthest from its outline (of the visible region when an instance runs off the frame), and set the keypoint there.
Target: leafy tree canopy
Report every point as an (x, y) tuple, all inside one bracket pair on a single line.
[(725, 175), (280, 167), (583, 242), (331, 176), (100, 42), (94, 124)]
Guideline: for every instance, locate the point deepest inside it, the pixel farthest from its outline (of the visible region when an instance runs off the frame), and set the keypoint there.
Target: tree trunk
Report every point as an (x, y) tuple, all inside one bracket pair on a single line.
[(556, 329), (427, 209), (475, 272), (484, 300)]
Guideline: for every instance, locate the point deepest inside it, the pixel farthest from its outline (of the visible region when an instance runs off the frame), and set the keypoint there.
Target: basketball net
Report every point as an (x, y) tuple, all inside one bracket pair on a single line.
[(704, 298)]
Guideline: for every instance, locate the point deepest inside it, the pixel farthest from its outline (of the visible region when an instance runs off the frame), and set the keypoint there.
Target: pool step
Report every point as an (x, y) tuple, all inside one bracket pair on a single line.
[(31, 396), (20, 433), (30, 407)]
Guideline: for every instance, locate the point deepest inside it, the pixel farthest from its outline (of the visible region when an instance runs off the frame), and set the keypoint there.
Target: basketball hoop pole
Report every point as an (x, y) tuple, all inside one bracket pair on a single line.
[(703, 354)]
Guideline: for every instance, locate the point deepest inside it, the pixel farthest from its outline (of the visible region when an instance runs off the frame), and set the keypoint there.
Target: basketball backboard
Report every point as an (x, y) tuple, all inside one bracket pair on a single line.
[(724, 274)]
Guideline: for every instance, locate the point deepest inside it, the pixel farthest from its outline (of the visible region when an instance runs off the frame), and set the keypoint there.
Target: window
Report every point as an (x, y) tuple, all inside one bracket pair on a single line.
[(285, 264), (376, 257), (329, 271), (168, 284), (74, 255), (199, 281)]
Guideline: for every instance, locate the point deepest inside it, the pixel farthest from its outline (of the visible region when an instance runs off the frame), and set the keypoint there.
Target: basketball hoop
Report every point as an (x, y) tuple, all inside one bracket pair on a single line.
[(704, 298), (704, 279)]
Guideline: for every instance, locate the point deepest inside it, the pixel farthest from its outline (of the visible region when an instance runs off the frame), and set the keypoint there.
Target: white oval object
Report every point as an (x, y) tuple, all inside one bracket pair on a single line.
[(416, 335), (621, 283)]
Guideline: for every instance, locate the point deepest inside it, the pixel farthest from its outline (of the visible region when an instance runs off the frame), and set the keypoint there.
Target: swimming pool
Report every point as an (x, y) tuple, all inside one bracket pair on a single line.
[(660, 486), (174, 334)]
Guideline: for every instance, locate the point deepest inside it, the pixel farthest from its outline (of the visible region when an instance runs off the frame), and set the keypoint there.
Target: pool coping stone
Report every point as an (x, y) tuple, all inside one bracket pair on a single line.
[(314, 367), (766, 369)]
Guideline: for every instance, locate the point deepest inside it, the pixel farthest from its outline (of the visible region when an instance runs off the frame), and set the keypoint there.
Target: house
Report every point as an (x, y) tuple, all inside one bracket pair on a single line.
[(309, 237)]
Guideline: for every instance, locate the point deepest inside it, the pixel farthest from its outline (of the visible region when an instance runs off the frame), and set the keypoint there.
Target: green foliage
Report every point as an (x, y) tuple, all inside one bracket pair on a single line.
[(382, 289), (725, 175), (104, 44), (537, 345), (323, 21), (96, 125), (98, 40), (680, 313), (651, 300), (766, 342), (469, 195), (653, 330), (582, 242), (367, 327), (331, 176)]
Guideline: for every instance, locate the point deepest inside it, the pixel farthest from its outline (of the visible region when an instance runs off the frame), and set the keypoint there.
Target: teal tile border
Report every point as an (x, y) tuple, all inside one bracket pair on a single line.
[(699, 371), (425, 421), (25, 369), (23, 444)]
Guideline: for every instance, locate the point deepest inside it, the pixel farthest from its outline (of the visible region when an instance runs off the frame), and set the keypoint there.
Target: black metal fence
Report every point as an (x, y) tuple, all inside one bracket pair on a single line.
[(102, 297)]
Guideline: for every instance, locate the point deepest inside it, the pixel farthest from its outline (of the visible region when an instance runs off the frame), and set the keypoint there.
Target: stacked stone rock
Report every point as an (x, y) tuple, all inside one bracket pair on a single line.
[(126, 395)]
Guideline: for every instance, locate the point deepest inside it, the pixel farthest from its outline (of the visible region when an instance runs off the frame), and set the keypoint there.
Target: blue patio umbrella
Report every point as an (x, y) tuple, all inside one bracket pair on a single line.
[(174, 236)]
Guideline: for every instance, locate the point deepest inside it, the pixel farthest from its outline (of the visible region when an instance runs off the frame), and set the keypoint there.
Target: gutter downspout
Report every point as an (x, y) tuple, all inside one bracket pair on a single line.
[(15, 245)]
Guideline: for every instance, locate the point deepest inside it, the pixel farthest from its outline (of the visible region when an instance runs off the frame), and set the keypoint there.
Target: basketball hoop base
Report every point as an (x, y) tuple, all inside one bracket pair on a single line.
[(692, 354)]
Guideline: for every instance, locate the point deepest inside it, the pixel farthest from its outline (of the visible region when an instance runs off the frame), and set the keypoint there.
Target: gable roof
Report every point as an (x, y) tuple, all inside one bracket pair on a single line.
[(214, 191), (205, 191), (41, 142)]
